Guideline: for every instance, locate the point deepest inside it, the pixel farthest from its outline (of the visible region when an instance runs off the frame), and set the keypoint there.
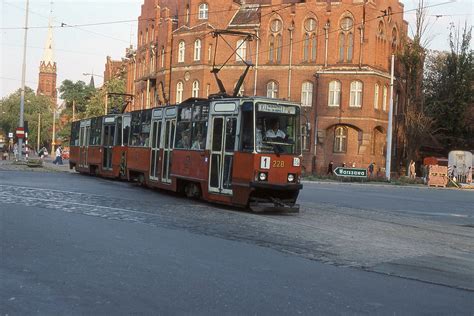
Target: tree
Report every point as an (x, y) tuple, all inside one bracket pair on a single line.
[(34, 106), (449, 83), (416, 125), (96, 105), (75, 95)]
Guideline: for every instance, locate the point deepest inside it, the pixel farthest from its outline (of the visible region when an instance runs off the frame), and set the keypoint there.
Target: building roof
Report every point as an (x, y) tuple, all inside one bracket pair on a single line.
[(246, 16), (48, 54)]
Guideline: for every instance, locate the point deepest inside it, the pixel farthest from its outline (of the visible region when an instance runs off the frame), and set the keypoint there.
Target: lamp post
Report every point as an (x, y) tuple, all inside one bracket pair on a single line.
[(23, 76)]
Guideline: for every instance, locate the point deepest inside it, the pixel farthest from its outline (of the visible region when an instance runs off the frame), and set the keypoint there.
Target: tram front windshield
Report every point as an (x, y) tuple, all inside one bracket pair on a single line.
[(276, 129)]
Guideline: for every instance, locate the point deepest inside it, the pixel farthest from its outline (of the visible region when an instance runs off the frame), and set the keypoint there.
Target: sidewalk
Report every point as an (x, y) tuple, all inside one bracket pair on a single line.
[(48, 166)]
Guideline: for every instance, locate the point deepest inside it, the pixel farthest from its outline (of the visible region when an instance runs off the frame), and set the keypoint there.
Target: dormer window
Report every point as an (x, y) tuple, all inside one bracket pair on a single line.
[(203, 11)]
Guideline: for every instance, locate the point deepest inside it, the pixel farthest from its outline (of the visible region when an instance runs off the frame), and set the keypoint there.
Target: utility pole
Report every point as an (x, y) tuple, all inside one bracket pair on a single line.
[(53, 143), (23, 75), (388, 159), (39, 131), (73, 110)]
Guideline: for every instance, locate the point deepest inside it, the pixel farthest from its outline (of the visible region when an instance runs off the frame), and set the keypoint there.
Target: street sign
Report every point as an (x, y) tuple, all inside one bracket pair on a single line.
[(20, 132), (10, 135), (350, 172)]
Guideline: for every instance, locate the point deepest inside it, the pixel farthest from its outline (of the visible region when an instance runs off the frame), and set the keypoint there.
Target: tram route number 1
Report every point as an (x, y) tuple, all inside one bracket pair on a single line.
[(265, 162)]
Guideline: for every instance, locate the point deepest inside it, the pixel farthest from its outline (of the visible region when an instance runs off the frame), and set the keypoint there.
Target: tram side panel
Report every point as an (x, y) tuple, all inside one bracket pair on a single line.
[(190, 166)]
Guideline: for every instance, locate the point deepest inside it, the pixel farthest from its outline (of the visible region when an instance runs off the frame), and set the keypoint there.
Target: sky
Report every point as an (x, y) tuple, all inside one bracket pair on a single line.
[(80, 50)]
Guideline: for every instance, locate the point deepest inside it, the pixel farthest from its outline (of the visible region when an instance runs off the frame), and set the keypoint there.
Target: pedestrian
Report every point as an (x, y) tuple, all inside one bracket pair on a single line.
[(412, 170), (330, 167), (15, 151), (371, 169), (41, 152), (59, 158)]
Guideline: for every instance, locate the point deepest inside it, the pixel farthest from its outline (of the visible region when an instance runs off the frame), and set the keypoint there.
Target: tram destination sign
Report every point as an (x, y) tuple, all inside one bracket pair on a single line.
[(350, 172), (276, 108)]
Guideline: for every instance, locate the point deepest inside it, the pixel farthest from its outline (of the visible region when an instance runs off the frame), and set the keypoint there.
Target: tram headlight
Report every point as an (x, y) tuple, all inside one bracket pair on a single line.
[(296, 162), (291, 177), (262, 176)]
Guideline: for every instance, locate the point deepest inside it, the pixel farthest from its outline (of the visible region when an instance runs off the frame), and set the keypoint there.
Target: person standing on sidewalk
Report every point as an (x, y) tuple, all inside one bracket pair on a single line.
[(59, 154)]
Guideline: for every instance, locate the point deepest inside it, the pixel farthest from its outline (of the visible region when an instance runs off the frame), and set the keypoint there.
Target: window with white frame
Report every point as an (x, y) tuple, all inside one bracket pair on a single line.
[(181, 51), (307, 93), (272, 90), (196, 89), (355, 99), (203, 11), (384, 98), (340, 139), (241, 52), (179, 92), (334, 96), (197, 50), (376, 96)]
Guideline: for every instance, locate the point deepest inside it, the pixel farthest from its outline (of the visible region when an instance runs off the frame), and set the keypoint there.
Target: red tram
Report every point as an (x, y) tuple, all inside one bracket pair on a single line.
[(235, 151)]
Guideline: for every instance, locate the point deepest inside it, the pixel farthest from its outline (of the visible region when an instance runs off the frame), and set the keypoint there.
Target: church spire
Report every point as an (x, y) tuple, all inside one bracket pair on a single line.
[(47, 70), (48, 55)]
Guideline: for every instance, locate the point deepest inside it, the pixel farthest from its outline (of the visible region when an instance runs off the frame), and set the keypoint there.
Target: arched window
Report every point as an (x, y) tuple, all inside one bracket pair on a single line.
[(272, 90), (140, 38), (394, 39), (179, 92), (350, 47), (152, 33), (203, 11), (310, 40), (271, 50), (307, 93), (356, 94), (278, 48), (341, 47), (241, 53), (376, 96), (181, 51), (384, 98), (346, 40), (162, 56), (334, 96), (340, 139), (196, 89), (197, 50), (146, 36), (187, 14)]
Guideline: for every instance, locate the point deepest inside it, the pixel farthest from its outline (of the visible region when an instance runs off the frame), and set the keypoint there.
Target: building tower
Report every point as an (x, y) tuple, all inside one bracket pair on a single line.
[(47, 69)]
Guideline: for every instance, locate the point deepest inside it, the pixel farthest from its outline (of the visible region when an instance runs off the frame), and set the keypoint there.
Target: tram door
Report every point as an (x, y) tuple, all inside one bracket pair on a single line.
[(84, 136), (222, 153), (109, 140), (155, 150), (168, 143)]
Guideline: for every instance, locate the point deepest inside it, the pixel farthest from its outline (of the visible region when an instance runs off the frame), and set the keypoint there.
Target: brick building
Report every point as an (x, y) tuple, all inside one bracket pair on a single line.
[(332, 57), (48, 70)]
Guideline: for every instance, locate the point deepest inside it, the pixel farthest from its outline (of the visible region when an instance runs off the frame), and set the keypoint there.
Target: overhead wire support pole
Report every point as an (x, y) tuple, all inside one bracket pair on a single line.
[(388, 160), (23, 79)]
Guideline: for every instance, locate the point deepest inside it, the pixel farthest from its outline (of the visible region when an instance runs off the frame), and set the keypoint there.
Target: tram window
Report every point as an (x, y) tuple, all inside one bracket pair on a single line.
[(145, 129), (135, 129), (230, 127), (96, 129), (183, 135), (199, 135), (126, 129), (247, 127), (75, 126), (279, 129), (118, 139)]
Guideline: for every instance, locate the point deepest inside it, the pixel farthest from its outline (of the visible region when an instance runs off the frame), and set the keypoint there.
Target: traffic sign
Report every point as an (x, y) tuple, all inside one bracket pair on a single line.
[(10, 135), (350, 172), (20, 132)]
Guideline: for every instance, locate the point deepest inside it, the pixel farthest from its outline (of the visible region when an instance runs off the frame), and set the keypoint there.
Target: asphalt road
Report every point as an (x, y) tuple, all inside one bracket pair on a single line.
[(72, 244)]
